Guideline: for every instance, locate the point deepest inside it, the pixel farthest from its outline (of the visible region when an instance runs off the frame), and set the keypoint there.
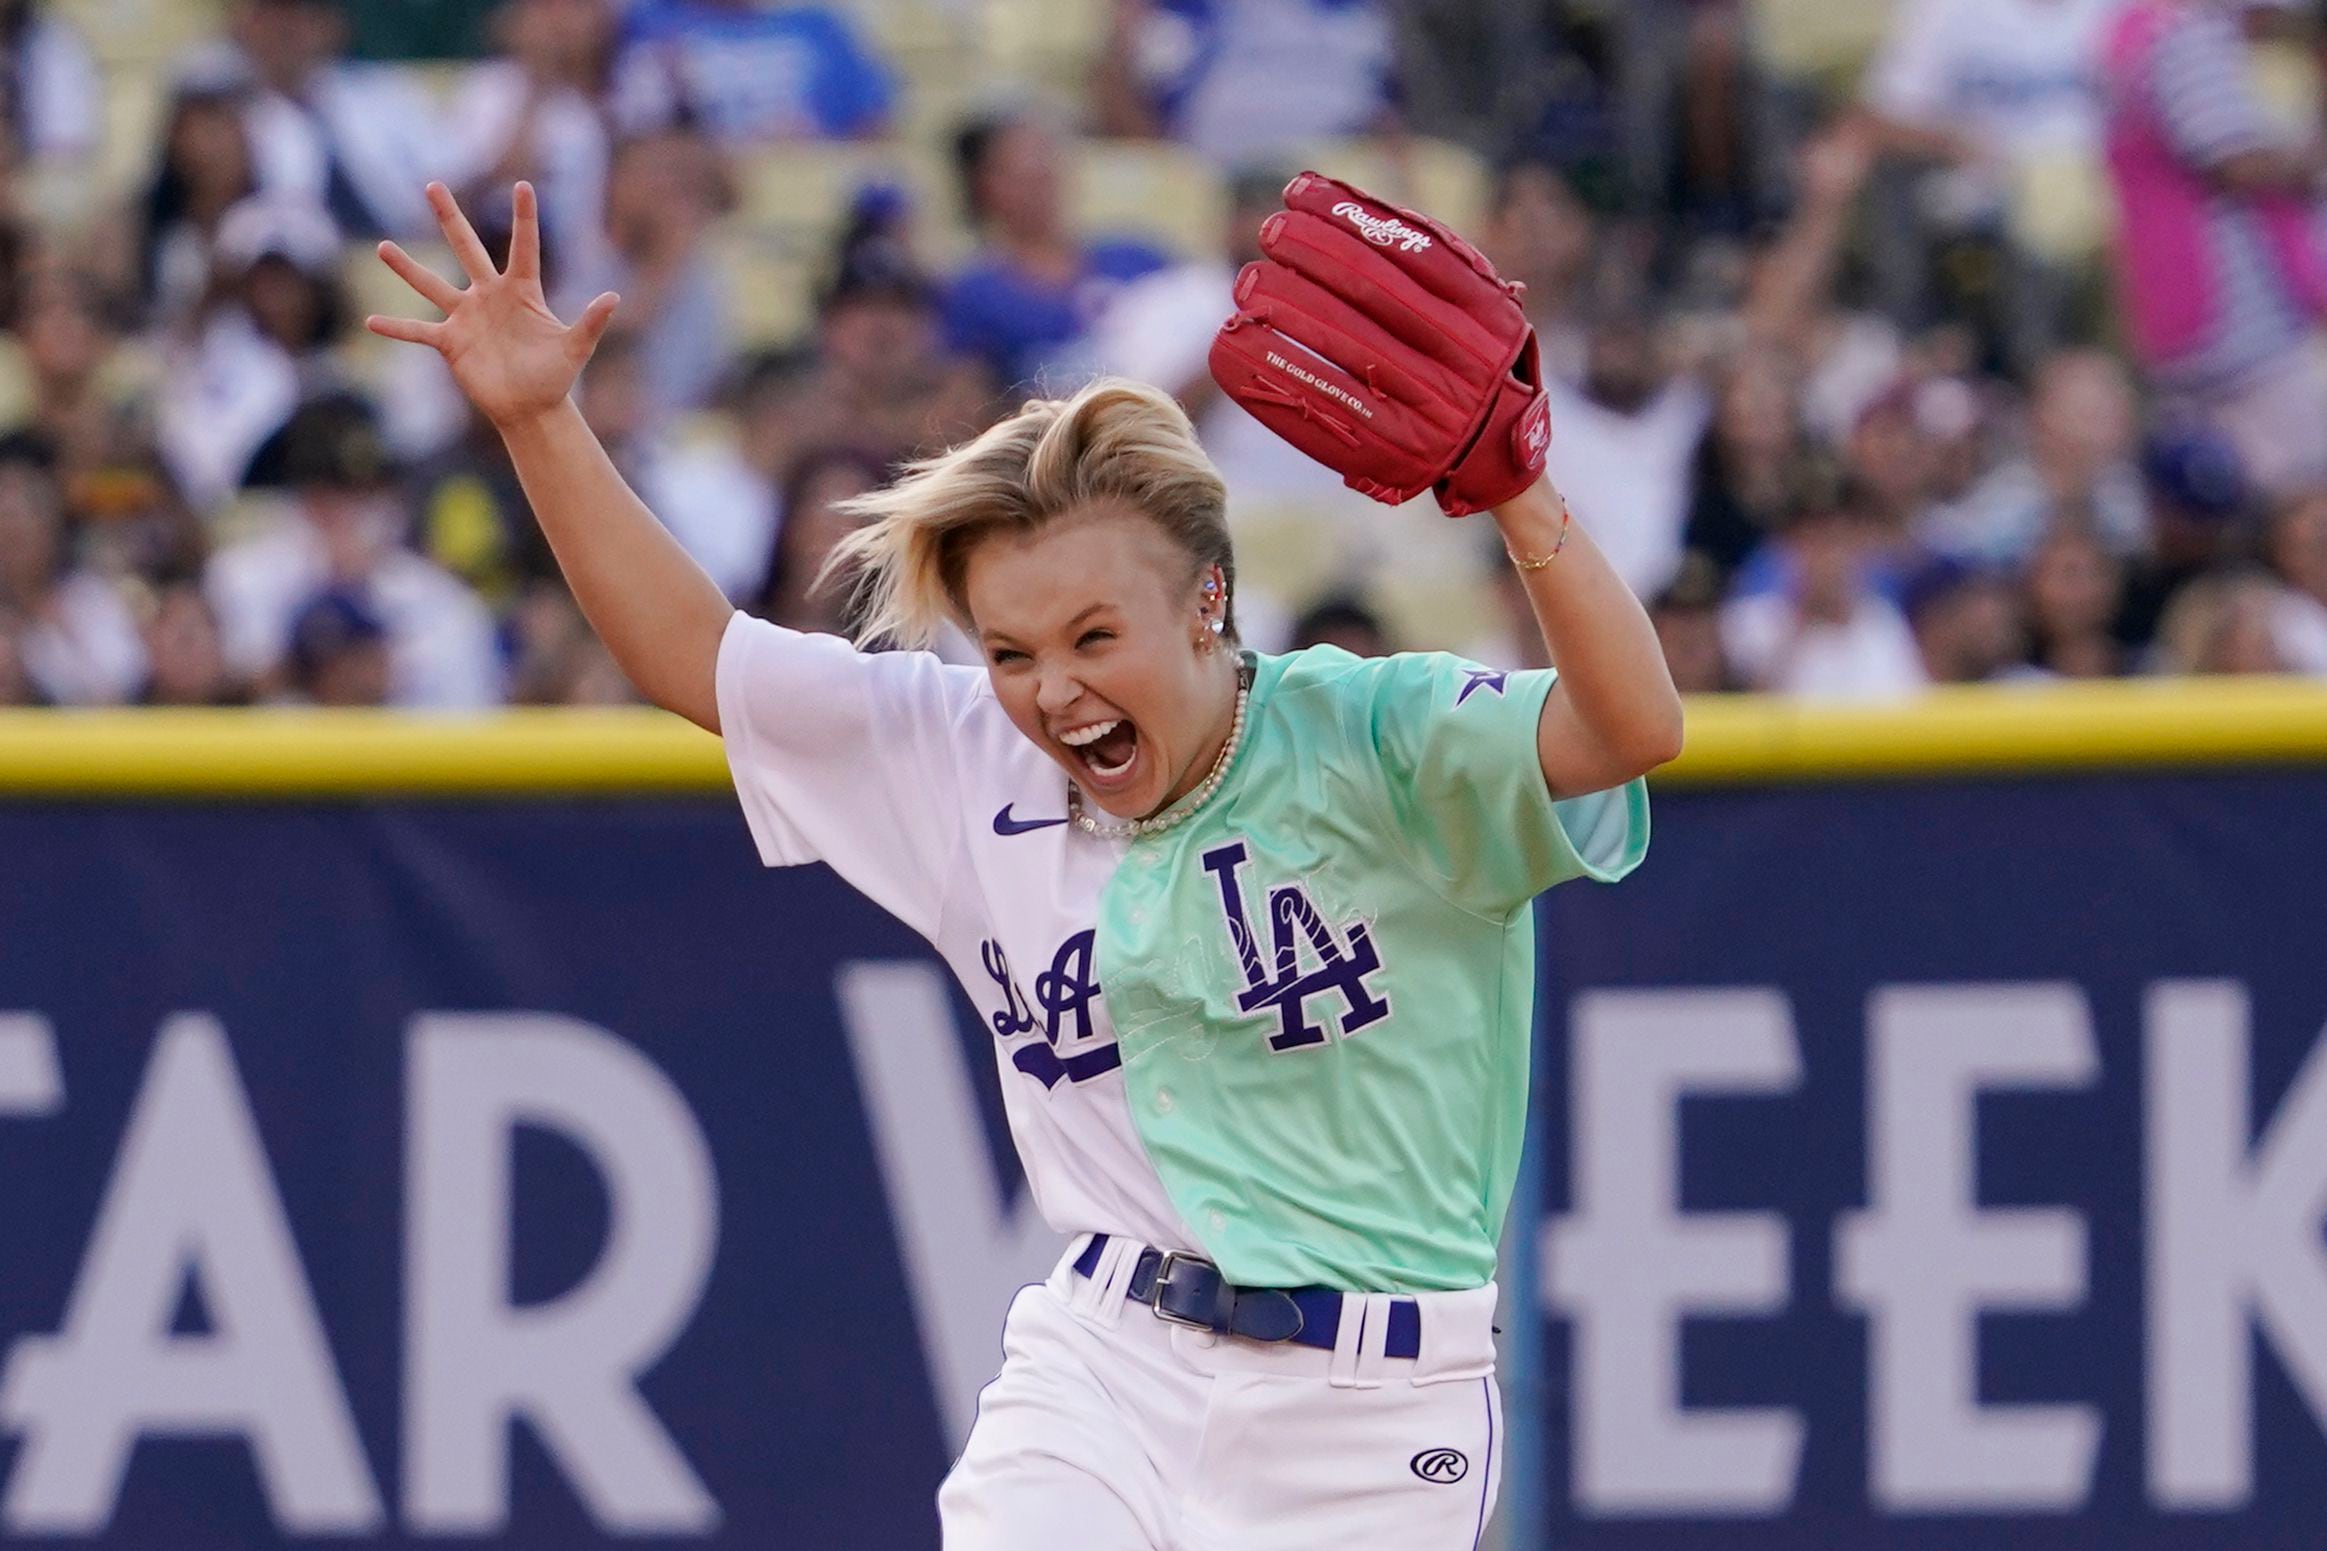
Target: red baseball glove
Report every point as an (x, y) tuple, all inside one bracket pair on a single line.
[(1388, 349)]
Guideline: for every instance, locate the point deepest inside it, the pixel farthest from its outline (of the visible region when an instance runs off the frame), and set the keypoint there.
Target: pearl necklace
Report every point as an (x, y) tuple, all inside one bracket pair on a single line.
[(1186, 807)]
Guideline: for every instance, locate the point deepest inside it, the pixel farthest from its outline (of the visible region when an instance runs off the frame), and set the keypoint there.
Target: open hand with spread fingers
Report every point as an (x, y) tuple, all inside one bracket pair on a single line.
[(507, 350)]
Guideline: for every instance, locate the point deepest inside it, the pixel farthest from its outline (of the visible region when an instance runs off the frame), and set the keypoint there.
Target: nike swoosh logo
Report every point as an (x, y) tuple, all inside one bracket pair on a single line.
[(1004, 824)]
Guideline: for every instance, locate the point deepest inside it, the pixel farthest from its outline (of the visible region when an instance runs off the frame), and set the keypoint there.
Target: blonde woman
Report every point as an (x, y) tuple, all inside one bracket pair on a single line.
[(1252, 933)]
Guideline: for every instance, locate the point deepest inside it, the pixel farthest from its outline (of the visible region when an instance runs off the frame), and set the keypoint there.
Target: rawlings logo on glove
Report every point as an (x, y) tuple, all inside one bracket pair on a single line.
[(1535, 432), (1388, 349), (1382, 230)]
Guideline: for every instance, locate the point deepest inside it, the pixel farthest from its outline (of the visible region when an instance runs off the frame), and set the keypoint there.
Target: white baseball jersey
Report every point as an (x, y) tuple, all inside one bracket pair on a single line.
[(1309, 1062), (907, 778)]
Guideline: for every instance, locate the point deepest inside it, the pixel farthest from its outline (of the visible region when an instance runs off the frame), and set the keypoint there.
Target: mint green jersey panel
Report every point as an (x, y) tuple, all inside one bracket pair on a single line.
[(1323, 983)]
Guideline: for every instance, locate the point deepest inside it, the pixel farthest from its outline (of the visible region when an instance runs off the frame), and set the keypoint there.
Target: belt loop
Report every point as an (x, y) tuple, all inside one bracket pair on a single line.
[(1373, 1339), (1342, 1371), (1110, 1284), (1083, 1300)]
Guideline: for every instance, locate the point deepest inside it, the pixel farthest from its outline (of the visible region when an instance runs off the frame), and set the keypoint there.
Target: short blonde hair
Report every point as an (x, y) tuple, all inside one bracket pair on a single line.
[(1114, 441)]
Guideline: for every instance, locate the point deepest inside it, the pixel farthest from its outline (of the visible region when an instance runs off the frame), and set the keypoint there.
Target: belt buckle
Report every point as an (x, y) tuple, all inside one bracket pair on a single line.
[(1163, 1276)]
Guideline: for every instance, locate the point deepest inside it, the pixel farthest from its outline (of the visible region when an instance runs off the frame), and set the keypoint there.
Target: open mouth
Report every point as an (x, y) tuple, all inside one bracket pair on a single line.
[(1106, 753)]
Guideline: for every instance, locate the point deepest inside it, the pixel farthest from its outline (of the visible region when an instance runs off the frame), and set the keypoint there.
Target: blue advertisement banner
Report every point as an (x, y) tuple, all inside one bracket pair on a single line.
[(1942, 1165), (484, 1170), (1919, 1166)]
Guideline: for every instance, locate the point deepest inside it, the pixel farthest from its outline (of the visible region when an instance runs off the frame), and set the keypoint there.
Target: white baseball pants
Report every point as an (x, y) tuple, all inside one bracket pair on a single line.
[(1109, 1429)]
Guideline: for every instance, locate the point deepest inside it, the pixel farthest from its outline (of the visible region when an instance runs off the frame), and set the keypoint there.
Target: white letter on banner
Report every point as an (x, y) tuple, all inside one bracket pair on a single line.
[(474, 1361), (1628, 1265), (2234, 1237), (966, 1251), (190, 1198), (1924, 1260), (30, 1083)]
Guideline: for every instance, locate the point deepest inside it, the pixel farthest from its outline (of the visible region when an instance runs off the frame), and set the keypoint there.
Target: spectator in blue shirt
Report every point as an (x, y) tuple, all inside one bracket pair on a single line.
[(1026, 301), (1243, 81), (747, 74)]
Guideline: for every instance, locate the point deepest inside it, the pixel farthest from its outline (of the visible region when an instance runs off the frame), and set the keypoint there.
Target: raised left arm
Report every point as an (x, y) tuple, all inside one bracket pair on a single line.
[(1614, 713), (1384, 346)]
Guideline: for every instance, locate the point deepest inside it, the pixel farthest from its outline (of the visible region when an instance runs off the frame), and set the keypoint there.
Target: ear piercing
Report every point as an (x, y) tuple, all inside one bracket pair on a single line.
[(1214, 625)]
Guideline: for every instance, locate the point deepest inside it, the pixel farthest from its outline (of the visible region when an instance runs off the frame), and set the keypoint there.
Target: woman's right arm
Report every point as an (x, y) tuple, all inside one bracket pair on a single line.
[(652, 605)]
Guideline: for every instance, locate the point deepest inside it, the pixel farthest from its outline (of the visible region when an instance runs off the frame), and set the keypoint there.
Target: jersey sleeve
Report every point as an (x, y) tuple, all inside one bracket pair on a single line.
[(1456, 744), (2203, 90), (846, 758), (853, 91)]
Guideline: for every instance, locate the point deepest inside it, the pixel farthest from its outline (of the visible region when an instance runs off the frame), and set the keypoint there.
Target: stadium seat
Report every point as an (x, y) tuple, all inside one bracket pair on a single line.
[(137, 101), (1052, 41), (804, 185), (772, 286), (801, 191), (69, 195), (1292, 552), (2289, 79), (2062, 208), (1153, 189), (1438, 611), (939, 92), (900, 28), (1446, 181), (154, 32), (1817, 40), (16, 392), (1419, 571), (371, 286)]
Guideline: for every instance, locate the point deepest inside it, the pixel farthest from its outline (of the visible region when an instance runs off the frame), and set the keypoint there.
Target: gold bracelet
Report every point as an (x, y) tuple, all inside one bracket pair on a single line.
[(1538, 562)]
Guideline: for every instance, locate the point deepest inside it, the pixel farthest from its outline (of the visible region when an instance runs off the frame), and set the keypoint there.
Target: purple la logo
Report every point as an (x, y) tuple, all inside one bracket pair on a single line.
[(1344, 959)]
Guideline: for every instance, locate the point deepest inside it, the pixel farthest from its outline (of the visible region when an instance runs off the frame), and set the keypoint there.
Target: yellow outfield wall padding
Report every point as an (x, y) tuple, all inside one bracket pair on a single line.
[(1733, 740), (2135, 724), (270, 753)]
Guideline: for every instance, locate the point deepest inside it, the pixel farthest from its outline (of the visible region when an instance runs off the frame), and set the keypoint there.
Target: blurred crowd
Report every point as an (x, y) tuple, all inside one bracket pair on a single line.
[(1892, 344)]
